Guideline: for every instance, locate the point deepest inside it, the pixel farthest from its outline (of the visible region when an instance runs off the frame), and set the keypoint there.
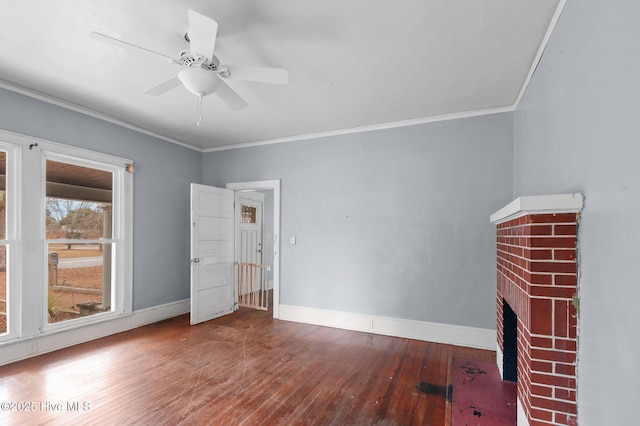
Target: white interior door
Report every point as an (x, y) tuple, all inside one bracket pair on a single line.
[(250, 219), (212, 253)]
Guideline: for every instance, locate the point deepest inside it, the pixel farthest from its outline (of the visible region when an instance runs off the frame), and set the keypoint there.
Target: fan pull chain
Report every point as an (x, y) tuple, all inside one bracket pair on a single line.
[(199, 109)]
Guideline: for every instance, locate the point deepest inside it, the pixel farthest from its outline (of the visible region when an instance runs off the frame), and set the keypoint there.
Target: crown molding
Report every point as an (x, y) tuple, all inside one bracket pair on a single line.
[(370, 128), (86, 111)]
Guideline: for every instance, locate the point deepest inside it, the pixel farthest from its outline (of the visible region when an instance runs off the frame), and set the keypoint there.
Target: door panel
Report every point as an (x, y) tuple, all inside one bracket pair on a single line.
[(212, 253), (250, 244)]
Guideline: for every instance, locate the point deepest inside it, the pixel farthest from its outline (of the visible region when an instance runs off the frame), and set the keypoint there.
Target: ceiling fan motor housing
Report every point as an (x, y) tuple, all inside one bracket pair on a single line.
[(195, 60)]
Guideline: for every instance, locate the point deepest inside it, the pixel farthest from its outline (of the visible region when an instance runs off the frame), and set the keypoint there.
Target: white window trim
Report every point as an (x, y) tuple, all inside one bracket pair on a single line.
[(114, 165), (12, 241), (28, 307)]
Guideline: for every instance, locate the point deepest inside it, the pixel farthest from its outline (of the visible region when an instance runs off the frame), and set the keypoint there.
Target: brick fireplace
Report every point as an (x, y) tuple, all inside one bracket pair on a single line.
[(536, 316)]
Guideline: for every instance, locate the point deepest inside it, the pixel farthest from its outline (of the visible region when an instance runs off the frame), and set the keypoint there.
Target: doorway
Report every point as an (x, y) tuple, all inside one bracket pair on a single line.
[(271, 187)]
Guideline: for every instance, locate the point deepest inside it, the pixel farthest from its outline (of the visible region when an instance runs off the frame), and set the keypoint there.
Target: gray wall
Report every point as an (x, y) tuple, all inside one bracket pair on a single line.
[(391, 222), (577, 130), (163, 172)]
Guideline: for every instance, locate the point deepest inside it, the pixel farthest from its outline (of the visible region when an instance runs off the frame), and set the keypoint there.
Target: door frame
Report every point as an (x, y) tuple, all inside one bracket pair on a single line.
[(275, 186)]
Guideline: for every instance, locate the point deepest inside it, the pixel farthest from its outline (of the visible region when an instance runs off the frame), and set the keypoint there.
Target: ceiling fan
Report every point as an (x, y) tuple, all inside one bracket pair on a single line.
[(202, 74)]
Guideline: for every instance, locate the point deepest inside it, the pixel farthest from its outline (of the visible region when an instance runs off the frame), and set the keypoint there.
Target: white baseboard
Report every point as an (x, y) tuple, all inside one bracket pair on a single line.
[(521, 419), (420, 330), (19, 349), (500, 361)]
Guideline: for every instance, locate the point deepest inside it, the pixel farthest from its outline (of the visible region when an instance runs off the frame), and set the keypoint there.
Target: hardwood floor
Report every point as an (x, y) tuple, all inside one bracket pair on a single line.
[(245, 368)]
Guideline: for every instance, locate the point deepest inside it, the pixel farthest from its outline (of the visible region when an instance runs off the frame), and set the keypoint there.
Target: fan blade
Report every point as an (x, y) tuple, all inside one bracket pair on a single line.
[(202, 34), (230, 97), (258, 74), (121, 43), (164, 87)]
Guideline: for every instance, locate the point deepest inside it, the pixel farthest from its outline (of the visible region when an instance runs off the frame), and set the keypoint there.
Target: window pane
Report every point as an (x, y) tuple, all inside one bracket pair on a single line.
[(78, 202), (248, 214), (79, 280)]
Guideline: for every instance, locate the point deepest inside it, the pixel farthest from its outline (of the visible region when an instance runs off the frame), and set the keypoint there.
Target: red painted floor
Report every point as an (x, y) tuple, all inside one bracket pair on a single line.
[(480, 396)]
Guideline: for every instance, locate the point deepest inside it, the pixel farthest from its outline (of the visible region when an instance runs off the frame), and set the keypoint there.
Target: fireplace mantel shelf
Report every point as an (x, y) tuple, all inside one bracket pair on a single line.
[(539, 204)]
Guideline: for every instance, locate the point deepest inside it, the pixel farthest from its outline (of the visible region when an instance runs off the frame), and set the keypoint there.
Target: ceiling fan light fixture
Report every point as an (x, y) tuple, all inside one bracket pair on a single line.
[(199, 81)]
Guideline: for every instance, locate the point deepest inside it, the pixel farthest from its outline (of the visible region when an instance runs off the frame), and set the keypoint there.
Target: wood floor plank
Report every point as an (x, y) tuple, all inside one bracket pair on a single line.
[(245, 368)]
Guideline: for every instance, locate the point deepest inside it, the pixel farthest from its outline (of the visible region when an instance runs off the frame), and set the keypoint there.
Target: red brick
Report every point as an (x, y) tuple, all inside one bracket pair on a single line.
[(564, 229), (552, 242), (552, 218), (553, 355), (567, 280), (541, 316), (540, 254), (565, 394), (554, 404), (573, 322), (542, 367), (565, 369), (545, 279), (538, 230), (561, 318), (564, 254), (541, 342), (561, 418), (554, 267), (565, 344), (544, 391), (566, 419), (551, 380), (545, 416), (555, 292)]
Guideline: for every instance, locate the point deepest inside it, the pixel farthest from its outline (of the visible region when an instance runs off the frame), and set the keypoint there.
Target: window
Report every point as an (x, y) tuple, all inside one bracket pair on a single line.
[(65, 236), (80, 241), (85, 241), (248, 214)]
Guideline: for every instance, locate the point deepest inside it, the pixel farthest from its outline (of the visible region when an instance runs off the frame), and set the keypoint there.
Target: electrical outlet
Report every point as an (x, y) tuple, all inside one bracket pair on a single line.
[(32, 348)]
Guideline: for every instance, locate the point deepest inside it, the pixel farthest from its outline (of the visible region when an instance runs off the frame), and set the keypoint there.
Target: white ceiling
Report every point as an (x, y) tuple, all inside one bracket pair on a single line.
[(352, 64)]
